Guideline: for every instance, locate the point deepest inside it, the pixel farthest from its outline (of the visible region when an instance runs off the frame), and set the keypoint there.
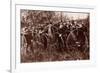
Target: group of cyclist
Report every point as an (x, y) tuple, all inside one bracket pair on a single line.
[(49, 34)]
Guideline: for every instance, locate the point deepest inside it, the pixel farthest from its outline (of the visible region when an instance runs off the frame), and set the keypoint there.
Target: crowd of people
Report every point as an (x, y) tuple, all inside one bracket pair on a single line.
[(50, 35)]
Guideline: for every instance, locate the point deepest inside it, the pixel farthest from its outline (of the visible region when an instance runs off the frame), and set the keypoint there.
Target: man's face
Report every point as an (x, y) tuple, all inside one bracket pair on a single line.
[(60, 26), (26, 30), (29, 27)]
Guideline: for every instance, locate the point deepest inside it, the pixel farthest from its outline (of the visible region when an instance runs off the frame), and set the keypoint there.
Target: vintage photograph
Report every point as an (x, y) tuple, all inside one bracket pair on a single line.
[(47, 36)]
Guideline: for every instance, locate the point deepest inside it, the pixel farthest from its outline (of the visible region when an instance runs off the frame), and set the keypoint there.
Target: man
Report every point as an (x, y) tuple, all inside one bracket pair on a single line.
[(29, 40), (62, 35)]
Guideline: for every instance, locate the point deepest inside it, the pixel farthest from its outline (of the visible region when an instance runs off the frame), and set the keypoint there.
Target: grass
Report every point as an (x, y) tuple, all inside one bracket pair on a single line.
[(45, 55)]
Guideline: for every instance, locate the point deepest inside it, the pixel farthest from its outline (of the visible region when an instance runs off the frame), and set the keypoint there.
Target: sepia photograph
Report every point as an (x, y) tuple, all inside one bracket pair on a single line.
[(48, 36)]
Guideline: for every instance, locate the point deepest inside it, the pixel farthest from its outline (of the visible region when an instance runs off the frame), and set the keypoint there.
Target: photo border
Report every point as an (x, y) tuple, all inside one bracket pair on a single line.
[(13, 64)]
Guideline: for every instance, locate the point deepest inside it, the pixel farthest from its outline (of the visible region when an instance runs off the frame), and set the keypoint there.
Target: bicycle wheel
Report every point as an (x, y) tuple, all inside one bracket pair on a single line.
[(77, 39)]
